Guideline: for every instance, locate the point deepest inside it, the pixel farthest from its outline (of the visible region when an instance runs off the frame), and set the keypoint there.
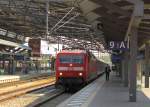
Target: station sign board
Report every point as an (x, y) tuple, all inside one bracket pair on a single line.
[(19, 57), (6, 57), (116, 58), (1, 56), (118, 45), (35, 44)]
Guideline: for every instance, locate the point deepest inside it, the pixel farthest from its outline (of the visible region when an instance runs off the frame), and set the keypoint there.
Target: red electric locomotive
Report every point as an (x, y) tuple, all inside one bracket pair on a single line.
[(76, 67)]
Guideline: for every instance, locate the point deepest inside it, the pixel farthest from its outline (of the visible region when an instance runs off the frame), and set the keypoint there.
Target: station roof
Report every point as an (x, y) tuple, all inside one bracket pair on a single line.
[(86, 23)]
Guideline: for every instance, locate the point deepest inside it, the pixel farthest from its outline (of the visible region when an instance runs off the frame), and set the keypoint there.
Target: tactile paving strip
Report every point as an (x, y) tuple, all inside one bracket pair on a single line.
[(83, 95)]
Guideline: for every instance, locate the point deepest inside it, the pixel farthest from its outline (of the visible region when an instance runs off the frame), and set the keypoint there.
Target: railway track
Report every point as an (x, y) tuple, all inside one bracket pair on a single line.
[(38, 95), (46, 98), (18, 82), (25, 87), (26, 94), (34, 98)]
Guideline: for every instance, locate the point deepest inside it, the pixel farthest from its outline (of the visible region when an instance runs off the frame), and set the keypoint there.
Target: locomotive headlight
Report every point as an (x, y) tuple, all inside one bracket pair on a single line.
[(60, 73), (80, 74)]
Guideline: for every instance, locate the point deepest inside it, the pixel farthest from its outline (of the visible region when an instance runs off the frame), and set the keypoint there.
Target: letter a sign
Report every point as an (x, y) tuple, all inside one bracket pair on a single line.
[(119, 45), (122, 45)]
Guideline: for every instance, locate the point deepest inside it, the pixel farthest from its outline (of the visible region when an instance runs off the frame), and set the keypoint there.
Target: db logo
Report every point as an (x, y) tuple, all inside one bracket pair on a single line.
[(70, 68)]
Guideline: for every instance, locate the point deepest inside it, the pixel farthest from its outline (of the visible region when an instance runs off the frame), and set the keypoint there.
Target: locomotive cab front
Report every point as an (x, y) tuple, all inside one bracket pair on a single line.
[(70, 69)]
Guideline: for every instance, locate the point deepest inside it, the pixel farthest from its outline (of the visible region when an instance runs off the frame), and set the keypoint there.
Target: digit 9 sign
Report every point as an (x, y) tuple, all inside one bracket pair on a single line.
[(119, 45), (111, 45)]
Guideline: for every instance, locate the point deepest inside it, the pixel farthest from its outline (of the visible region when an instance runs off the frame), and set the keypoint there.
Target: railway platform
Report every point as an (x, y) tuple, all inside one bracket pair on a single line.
[(17, 77), (110, 93)]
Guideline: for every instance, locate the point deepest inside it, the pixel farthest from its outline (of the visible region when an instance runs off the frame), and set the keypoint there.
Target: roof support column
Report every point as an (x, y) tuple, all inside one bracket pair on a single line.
[(147, 66), (133, 33), (133, 65)]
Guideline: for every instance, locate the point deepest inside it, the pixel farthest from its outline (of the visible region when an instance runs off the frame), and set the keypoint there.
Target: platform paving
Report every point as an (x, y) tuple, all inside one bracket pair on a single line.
[(113, 94), (110, 93)]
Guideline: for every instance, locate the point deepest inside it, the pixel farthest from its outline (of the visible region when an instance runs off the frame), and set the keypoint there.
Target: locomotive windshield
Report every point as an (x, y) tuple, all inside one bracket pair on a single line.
[(71, 59)]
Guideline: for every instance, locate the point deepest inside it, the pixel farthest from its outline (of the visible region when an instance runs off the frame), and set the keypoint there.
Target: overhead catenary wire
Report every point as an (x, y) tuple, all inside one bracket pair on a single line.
[(79, 24), (61, 20), (67, 21), (80, 28)]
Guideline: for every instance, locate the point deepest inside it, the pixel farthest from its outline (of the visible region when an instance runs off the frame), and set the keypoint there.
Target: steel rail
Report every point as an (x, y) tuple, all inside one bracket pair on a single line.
[(25, 88), (14, 83), (46, 98)]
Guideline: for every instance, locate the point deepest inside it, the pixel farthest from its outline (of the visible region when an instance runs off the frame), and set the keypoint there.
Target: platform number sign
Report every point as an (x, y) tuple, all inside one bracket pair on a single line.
[(119, 45)]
